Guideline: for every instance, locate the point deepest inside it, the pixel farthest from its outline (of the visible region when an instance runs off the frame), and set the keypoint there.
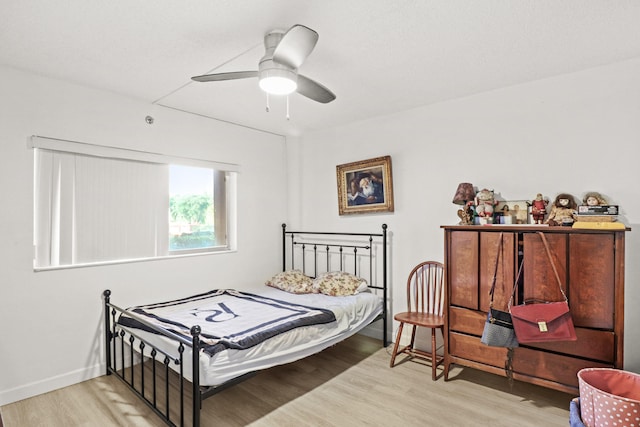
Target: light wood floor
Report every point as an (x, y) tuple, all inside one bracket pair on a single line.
[(349, 384)]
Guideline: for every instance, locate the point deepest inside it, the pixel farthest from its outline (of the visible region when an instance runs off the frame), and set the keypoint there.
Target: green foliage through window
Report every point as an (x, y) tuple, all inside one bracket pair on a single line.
[(192, 208)]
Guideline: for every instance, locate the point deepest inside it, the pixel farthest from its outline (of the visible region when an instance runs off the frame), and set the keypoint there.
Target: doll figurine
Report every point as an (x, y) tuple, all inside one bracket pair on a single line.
[(563, 210), (485, 203), (539, 209), (594, 199)]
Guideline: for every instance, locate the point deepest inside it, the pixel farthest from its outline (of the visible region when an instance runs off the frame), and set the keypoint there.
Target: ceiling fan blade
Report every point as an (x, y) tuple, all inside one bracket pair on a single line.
[(295, 46), (314, 90), (225, 76)]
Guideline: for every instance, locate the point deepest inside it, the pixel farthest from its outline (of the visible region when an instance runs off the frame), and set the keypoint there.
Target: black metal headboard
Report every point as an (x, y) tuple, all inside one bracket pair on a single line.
[(363, 254)]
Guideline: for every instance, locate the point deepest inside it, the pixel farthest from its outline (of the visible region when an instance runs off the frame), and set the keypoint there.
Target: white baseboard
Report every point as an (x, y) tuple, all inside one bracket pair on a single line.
[(49, 384)]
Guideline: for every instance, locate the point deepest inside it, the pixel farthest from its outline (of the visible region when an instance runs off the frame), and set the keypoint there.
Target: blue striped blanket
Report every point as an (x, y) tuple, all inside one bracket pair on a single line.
[(229, 319)]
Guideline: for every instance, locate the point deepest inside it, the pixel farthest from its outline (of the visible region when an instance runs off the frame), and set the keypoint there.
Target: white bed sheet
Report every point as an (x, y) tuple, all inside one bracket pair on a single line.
[(352, 314)]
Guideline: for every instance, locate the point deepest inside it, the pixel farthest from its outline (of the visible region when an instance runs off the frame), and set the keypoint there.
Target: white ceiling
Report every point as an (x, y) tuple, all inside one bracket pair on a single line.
[(377, 56)]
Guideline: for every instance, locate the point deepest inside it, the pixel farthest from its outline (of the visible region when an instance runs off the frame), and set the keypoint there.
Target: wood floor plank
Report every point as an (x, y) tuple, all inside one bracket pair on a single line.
[(349, 384)]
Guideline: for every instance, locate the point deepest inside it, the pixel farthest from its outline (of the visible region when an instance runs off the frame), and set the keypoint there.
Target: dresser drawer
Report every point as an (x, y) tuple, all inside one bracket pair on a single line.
[(591, 344), (550, 366), (526, 361), (470, 347), (467, 321)]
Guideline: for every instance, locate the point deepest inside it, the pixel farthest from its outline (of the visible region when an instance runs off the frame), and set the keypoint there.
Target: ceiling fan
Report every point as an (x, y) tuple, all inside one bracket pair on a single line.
[(278, 68)]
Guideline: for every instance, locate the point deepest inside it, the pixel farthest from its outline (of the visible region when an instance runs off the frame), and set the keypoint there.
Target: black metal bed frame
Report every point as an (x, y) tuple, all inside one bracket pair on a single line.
[(120, 344)]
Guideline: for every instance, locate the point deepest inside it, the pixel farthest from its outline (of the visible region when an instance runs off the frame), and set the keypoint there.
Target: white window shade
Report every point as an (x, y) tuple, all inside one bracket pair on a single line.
[(93, 209), (54, 179), (120, 210)]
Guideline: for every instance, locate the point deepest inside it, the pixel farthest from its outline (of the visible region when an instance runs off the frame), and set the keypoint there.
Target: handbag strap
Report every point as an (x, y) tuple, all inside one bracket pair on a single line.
[(553, 265), (495, 270), (495, 274), (515, 284)]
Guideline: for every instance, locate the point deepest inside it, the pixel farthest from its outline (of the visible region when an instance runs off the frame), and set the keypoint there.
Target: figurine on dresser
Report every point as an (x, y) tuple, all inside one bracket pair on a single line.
[(485, 203), (539, 209), (594, 199), (563, 210)]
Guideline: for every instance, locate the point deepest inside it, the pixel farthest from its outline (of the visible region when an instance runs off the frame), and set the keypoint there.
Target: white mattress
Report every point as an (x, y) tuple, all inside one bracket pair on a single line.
[(352, 314)]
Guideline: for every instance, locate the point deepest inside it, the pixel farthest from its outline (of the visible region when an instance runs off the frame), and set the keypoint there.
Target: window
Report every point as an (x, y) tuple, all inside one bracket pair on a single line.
[(193, 223), (97, 204)]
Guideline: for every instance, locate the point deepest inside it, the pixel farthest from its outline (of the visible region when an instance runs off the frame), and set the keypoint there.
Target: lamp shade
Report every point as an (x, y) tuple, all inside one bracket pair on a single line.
[(278, 81), (464, 193)]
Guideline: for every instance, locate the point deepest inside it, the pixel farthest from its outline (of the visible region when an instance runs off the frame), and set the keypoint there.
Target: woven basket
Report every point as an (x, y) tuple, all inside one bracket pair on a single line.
[(609, 397)]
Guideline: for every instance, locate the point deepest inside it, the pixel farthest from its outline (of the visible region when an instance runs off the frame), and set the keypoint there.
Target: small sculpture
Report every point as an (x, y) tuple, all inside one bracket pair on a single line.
[(563, 210), (594, 199), (485, 203), (466, 214), (539, 209)]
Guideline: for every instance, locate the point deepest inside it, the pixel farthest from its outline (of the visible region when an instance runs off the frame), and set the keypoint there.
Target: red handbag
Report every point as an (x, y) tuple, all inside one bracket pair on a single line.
[(546, 321)]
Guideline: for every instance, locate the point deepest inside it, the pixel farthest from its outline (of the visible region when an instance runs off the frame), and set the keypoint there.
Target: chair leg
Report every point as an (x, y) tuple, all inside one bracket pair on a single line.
[(446, 366), (413, 337), (434, 356), (395, 346)]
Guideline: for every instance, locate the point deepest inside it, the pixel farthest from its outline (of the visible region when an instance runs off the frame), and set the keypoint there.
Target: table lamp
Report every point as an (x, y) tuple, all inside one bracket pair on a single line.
[(464, 194)]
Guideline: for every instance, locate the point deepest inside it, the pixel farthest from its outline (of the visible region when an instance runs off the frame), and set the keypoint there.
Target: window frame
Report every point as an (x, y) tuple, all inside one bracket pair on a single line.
[(225, 212)]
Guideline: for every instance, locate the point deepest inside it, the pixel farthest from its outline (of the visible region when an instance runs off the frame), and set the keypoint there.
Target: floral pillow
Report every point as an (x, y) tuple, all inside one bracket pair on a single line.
[(293, 281), (339, 283)]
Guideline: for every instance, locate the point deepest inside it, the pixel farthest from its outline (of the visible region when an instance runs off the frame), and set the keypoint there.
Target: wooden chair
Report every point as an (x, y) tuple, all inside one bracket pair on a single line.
[(425, 301)]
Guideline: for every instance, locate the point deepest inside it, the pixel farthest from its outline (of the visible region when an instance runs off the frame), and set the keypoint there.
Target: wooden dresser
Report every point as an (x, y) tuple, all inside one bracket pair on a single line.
[(591, 266)]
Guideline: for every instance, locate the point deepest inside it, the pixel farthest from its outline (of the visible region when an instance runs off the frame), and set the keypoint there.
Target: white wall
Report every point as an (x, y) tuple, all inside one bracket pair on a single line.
[(50, 322), (574, 133)]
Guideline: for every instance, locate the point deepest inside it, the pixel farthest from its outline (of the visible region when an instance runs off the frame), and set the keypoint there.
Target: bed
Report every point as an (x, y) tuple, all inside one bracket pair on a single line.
[(174, 354)]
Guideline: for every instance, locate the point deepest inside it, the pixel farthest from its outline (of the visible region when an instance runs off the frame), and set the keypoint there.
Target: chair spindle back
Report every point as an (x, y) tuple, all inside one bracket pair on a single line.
[(425, 288)]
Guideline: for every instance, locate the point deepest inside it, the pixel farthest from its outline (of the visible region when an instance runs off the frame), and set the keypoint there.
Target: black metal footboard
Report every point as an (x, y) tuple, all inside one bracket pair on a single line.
[(146, 369)]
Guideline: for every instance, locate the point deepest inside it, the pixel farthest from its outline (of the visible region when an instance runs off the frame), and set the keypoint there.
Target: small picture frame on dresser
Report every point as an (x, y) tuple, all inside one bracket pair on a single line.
[(512, 212)]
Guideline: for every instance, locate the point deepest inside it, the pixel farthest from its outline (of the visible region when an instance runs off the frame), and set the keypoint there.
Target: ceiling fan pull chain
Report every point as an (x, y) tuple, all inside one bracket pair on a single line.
[(287, 107), (267, 101)]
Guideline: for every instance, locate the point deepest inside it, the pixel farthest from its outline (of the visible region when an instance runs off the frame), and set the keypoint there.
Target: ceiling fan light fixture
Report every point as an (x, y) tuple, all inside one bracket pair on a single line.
[(284, 53), (278, 81)]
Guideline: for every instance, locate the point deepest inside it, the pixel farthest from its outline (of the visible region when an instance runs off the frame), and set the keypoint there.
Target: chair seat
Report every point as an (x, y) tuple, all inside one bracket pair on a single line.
[(420, 319)]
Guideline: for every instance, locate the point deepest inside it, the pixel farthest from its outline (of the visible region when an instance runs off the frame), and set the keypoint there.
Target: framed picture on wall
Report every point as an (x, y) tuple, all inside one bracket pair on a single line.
[(365, 186), (512, 212)]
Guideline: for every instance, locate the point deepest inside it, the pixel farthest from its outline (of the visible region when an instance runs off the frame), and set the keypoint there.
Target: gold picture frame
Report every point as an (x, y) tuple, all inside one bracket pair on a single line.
[(365, 186)]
